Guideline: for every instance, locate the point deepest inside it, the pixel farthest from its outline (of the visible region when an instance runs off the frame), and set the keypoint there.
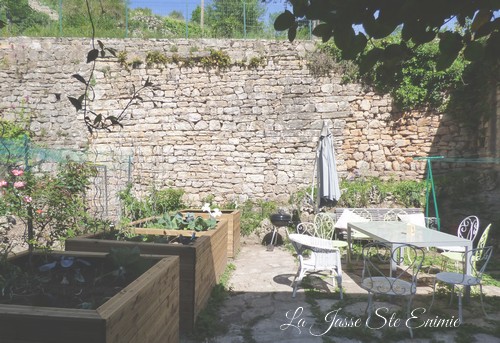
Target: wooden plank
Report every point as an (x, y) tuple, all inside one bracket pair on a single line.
[(145, 299), (192, 269), (233, 218), (155, 293)]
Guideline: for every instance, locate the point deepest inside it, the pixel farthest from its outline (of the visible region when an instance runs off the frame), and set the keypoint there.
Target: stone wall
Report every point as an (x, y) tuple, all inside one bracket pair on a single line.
[(236, 133)]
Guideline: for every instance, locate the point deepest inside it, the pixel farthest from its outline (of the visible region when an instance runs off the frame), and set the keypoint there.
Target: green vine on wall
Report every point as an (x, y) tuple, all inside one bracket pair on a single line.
[(463, 89)]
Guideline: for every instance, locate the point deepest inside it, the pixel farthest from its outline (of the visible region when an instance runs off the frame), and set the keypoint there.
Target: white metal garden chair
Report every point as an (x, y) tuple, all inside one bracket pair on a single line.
[(457, 256), (379, 278), (323, 257), (393, 214), (478, 258), (467, 229), (323, 226)]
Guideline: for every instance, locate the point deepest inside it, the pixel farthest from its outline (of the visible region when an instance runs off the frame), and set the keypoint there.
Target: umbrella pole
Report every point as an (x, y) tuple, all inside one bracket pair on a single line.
[(315, 201)]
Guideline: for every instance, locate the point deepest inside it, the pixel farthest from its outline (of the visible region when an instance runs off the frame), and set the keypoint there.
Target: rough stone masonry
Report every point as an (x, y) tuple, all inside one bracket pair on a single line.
[(235, 133)]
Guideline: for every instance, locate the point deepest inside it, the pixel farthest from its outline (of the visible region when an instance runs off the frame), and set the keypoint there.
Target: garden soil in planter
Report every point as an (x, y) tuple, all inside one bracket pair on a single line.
[(111, 306), (202, 262)]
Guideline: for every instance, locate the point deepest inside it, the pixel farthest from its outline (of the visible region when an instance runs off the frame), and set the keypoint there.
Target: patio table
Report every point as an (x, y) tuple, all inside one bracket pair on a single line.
[(397, 233)]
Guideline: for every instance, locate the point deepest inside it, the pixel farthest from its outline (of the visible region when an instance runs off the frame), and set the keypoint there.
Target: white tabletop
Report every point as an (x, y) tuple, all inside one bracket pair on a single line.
[(397, 232)]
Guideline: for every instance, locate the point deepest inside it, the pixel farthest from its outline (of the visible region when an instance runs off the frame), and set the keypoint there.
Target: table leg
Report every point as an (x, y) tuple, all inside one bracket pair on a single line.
[(349, 244)]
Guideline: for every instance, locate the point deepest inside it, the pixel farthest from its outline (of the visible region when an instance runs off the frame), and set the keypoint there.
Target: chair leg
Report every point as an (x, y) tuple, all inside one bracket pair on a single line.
[(408, 310), (369, 307), (481, 298), (338, 278), (433, 295), (452, 293), (298, 277), (460, 317)]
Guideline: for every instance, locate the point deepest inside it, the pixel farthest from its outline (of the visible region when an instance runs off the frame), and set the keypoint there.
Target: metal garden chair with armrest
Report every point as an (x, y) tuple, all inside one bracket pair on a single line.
[(457, 256), (479, 261), (468, 229), (379, 278), (324, 256), (322, 227)]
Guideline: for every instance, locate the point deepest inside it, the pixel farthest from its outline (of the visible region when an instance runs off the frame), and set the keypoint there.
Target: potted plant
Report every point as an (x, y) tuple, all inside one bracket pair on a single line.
[(203, 258), (59, 297)]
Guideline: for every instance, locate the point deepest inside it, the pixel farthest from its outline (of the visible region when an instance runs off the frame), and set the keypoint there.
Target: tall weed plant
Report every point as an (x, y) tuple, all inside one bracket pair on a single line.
[(156, 203), (253, 213)]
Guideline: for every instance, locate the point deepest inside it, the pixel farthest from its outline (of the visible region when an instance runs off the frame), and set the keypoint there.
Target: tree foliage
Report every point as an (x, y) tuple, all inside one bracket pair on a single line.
[(354, 25), (19, 16), (227, 18)]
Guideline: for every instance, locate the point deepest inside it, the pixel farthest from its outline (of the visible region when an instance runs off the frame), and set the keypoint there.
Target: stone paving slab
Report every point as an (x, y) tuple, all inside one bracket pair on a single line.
[(261, 306)]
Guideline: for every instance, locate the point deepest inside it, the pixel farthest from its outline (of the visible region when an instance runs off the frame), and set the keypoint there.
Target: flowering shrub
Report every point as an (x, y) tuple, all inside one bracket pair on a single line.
[(52, 205)]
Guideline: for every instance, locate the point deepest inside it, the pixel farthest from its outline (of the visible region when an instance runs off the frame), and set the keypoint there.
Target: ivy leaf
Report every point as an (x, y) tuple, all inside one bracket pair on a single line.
[(317, 10), (284, 21), (148, 83), (487, 28), (322, 30), (450, 44), (474, 51), (292, 32), (299, 8), (378, 28), (79, 78), (369, 60), (98, 119), (112, 51), (482, 17), (92, 55), (355, 46), (75, 102), (114, 121), (101, 46)]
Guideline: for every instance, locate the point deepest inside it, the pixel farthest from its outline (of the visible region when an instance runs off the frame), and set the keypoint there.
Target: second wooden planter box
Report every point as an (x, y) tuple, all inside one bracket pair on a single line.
[(147, 310), (201, 263), (233, 228)]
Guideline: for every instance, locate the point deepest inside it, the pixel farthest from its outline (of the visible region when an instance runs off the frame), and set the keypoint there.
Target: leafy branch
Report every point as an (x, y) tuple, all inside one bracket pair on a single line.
[(93, 120)]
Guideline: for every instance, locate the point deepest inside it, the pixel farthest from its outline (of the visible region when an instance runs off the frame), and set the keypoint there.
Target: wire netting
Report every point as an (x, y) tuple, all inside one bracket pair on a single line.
[(111, 171), (238, 19)]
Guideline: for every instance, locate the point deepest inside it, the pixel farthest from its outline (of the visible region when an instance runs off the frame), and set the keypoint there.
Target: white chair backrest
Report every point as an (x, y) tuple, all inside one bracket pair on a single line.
[(306, 228), (393, 214), (468, 228), (324, 226), (479, 260), (362, 212), (484, 237), (377, 257)]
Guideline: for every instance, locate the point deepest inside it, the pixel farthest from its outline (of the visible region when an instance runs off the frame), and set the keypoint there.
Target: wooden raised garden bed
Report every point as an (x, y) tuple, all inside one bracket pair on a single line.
[(146, 310), (201, 263), (233, 226)]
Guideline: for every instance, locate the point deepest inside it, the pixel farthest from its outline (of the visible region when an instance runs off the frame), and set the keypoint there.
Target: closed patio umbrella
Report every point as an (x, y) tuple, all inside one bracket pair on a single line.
[(326, 168)]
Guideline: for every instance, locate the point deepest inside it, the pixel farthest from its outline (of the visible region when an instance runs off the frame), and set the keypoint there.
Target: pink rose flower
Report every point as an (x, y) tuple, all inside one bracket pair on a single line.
[(3, 183), (27, 199), (19, 184), (17, 172)]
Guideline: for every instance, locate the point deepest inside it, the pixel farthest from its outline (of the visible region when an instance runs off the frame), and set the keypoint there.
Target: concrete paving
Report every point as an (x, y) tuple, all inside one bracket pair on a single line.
[(261, 308)]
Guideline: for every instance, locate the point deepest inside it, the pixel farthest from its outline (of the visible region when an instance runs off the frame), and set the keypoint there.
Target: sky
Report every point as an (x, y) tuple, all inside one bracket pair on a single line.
[(165, 7)]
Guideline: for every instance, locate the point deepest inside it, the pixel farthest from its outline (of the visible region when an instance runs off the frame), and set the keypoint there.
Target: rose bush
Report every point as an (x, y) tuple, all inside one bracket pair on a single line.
[(53, 205)]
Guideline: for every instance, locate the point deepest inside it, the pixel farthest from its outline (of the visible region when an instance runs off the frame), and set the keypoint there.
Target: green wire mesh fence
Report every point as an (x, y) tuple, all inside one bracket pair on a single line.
[(237, 19)]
